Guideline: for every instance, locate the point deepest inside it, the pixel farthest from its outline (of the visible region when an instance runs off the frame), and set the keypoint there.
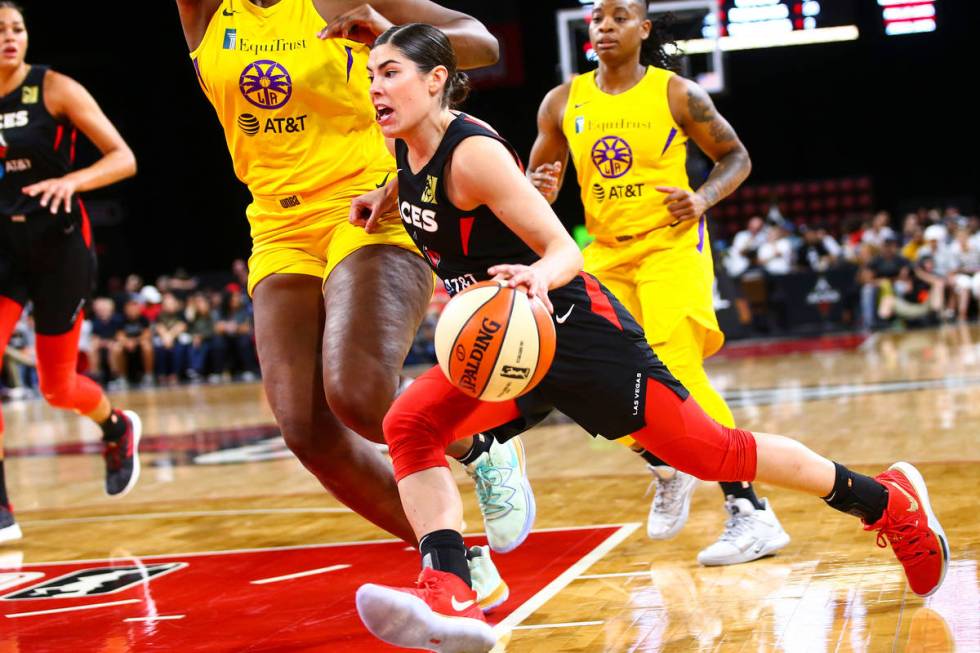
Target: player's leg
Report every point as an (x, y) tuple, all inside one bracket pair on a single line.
[(9, 314), (58, 298), (895, 503), (289, 319), (418, 428), (673, 490), (752, 530), (386, 267)]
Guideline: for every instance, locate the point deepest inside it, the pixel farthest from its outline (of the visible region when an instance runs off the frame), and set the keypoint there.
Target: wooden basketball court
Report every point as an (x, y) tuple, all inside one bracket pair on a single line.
[(228, 544)]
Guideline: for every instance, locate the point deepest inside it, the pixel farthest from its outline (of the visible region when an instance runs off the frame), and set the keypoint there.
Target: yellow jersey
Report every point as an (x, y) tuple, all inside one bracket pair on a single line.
[(623, 147), (295, 110)]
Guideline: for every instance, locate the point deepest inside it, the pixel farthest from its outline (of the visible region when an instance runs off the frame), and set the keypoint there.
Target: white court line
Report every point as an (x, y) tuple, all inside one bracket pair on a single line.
[(300, 574), (90, 606), (622, 574), (548, 592), (192, 513), (169, 617), (292, 547), (571, 624)]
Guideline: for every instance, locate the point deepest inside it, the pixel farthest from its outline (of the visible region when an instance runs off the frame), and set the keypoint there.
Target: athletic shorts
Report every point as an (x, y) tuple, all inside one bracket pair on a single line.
[(48, 260), (601, 366), (660, 287), (311, 235)]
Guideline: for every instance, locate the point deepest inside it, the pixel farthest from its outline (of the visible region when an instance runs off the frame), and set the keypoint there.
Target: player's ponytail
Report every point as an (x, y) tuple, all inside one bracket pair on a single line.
[(659, 49), (429, 47)]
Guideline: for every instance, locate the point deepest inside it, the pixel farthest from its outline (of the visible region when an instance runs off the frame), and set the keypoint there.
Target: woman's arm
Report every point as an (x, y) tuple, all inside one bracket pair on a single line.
[(195, 15), (474, 45), (483, 172), (67, 99)]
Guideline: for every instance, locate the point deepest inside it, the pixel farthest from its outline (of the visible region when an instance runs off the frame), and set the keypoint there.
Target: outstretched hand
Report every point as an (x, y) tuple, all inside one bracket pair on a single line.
[(367, 209)]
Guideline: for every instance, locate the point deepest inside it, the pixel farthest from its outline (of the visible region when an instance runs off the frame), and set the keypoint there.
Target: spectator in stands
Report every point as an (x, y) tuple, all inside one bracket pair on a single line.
[(907, 298), (914, 240), (745, 246), (19, 361), (819, 251), (151, 297), (182, 284), (239, 270), (200, 327), (880, 230), (966, 274), (105, 324), (236, 330), (135, 354), (876, 279), (170, 340), (776, 254), (854, 228)]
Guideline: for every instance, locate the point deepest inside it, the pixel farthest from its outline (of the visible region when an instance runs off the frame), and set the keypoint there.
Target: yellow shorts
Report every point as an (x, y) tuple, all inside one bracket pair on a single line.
[(660, 287), (311, 238)]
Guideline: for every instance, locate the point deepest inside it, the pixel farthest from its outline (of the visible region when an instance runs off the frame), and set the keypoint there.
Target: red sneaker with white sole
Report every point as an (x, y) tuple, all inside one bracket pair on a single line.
[(439, 614), (911, 527)]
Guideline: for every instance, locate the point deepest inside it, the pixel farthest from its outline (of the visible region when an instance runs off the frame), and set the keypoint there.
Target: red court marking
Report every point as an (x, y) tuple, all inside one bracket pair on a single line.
[(223, 611)]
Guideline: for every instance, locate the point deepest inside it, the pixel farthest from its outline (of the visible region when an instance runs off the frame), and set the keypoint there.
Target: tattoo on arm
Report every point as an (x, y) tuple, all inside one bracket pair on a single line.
[(701, 109)]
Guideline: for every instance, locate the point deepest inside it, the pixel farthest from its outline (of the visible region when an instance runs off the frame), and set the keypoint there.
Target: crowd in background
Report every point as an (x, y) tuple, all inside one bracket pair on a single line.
[(922, 270)]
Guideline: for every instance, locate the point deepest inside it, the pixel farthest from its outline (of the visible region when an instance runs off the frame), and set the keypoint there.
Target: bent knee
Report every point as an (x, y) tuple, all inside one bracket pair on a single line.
[(60, 394)]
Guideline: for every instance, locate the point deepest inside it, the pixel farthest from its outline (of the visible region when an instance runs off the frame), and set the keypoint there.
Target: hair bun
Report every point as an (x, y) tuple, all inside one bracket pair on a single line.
[(459, 88)]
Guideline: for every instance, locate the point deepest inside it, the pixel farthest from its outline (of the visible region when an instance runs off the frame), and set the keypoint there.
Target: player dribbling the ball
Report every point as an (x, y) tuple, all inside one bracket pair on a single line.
[(468, 207)]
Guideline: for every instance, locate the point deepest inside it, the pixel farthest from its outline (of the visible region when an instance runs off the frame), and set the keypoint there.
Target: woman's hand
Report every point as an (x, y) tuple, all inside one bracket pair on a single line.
[(525, 278), (546, 177), (367, 210), (362, 24), (57, 191)]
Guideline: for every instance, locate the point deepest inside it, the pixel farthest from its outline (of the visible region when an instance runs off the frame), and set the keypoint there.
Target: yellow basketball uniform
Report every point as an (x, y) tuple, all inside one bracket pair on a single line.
[(624, 146), (301, 131)]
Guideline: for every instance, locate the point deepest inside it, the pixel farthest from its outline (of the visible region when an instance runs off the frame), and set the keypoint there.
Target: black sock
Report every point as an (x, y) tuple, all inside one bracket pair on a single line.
[(114, 427), (444, 551), (651, 459), (4, 501), (742, 490), (857, 495), (481, 444)]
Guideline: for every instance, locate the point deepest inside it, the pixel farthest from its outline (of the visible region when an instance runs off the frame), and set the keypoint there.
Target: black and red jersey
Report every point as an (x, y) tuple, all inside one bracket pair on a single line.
[(34, 145), (459, 245)]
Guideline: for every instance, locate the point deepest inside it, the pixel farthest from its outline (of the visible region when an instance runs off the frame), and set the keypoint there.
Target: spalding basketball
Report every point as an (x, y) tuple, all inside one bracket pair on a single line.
[(493, 342)]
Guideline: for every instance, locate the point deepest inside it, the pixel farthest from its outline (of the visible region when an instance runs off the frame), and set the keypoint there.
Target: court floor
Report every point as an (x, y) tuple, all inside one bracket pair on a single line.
[(228, 544)]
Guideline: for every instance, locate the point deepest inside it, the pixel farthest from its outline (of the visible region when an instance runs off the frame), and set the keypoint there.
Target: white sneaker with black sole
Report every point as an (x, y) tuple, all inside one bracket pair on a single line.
[(749, 534), (671, 503)]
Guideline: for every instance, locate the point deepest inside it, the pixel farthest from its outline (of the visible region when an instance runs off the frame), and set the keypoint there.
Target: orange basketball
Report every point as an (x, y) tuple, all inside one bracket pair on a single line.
[(493, 342)]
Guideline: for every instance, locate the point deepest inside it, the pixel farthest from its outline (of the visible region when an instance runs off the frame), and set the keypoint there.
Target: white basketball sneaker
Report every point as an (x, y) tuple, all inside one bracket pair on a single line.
[(491, 590), (504, 493), (9, 530), (671, 503), (749, 534)]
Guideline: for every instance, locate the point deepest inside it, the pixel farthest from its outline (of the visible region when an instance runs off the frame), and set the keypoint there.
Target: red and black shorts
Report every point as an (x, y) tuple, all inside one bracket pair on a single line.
[(48, 260), (601, 366)]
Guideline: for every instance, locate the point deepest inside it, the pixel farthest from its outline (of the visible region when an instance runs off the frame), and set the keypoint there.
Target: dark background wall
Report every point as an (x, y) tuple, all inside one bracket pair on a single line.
[(900, 109)]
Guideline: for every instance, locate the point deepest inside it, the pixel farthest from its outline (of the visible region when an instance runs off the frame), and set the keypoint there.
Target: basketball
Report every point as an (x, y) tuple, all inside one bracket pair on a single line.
[(493, 342)]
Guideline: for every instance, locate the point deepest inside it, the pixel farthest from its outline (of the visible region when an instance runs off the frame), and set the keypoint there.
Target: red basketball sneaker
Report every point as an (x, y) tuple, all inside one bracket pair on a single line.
[(912, 529), (439, 614)]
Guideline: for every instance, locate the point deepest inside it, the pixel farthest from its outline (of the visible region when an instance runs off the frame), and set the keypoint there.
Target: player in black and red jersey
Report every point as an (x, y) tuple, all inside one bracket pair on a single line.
[(46, 255), (466, 203)]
